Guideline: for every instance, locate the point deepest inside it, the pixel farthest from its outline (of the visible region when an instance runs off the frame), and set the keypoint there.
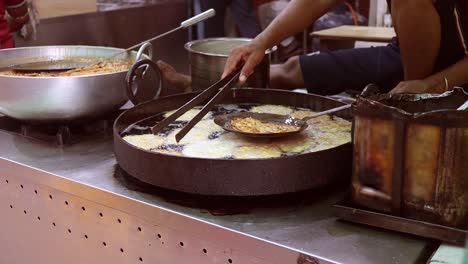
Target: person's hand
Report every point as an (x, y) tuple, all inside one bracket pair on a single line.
[(416, 86), (251, 53)]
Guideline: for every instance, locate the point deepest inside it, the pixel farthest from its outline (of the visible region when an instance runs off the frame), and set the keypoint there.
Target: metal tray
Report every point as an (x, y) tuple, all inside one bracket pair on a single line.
[(349, 212)]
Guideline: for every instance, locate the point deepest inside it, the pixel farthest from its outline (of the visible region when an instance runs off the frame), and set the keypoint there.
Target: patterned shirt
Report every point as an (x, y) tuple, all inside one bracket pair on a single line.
[(6, 40)]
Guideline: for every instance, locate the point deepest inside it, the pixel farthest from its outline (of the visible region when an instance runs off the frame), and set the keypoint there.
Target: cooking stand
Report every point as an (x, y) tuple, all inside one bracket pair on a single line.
[(69, 205), (350, 212)]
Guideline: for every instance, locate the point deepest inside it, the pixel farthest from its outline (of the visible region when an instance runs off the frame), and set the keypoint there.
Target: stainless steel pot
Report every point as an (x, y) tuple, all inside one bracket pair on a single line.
[(208, 57), (47, 99)]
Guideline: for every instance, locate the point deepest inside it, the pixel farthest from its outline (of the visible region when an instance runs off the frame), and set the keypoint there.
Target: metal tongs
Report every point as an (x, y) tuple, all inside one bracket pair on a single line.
[(216, 92)]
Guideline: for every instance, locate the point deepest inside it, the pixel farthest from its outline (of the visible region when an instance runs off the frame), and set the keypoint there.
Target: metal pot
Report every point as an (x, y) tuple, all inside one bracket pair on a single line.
[(208, 57), (67, 98)]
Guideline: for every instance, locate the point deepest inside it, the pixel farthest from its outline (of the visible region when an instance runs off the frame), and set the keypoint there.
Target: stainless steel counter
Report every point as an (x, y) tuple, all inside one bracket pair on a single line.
[(302, 223)]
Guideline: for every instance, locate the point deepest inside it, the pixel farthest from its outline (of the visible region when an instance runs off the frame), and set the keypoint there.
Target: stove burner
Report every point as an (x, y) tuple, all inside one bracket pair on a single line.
[(225, 205), (62, 135), (58, 134)]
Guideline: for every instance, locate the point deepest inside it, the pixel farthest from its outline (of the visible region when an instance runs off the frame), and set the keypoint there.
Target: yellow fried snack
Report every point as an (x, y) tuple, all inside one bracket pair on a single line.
[(301, 114), (193, 136), (169, 152), (257, 152), (146, 141), (208, 125), (296, 144), (210, 149), (255, 126), (272, 109), (189, 115), (207, 140), (95, 67)]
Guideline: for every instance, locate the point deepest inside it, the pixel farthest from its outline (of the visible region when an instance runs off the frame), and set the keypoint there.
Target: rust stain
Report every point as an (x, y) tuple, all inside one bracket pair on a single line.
[(431, 157), (305, 259)]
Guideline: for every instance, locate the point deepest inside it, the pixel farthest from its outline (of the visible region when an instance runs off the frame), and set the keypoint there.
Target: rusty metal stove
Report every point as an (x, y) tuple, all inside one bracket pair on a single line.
[(410, 165)]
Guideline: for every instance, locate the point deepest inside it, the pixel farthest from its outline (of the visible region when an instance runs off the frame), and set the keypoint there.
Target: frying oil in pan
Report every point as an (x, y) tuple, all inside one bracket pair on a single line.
[(208, 140)]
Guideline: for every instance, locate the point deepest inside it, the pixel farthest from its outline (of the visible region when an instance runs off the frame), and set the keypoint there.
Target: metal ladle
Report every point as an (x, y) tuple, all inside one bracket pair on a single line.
[(69, 64), (46, 66), (225, 121)]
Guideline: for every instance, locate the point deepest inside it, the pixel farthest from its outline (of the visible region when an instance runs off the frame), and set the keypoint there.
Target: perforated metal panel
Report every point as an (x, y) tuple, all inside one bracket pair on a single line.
[(49, 219)]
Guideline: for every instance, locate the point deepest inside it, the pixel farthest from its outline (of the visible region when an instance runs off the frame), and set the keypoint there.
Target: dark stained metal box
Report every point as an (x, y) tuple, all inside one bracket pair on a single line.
[(411, 156)]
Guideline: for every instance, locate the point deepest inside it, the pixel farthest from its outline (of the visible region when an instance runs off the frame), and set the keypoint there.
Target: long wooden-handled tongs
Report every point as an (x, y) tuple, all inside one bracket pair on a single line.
[(216, 92)]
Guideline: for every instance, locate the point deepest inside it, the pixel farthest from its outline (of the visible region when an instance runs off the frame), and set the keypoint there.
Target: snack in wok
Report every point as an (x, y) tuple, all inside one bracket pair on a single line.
[(207, 140), (95, 66), (255, 126)]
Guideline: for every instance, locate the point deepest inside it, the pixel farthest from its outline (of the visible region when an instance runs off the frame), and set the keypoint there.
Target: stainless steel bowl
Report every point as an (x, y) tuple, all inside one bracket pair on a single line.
[(208, 57), (61, 98)]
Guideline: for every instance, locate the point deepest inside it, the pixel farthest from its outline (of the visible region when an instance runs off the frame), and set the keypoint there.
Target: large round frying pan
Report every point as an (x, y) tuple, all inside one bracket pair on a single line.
[(234, 177)]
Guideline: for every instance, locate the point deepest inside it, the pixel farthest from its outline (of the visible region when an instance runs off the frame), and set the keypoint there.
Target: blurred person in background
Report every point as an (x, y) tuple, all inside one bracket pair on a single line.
[(243, 13), (342, 14), (246, 22), (17, 16), (14, 14), (430, 56)]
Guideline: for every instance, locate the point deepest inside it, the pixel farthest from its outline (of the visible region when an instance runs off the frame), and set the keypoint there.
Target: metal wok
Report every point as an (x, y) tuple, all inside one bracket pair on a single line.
[(234, 177), (64, 98)]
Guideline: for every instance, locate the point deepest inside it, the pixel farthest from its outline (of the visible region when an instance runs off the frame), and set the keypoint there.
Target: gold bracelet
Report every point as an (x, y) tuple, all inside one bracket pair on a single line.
[(446, 84)]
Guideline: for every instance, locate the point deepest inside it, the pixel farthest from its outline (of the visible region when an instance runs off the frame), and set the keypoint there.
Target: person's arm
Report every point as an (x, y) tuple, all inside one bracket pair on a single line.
[(294, 18), (297, 15), (417, 24), (455, 75), (18, 11)]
